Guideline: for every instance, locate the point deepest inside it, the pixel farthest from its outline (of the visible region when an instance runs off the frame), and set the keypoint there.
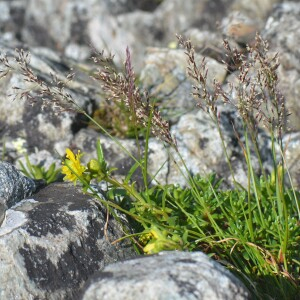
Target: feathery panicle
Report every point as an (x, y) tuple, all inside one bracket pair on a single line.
[(206, 100), (122, 88), (258, 98), (52, 94)]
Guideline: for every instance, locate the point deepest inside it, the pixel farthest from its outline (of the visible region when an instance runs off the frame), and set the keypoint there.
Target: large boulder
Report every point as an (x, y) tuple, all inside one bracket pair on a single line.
[(53, 242), (168, 275), (200, 147)]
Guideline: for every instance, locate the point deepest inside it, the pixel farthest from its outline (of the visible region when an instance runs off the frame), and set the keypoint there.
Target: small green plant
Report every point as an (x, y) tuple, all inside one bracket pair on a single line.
[(39, 172), (204, 217), (115, 118), (254, 230)]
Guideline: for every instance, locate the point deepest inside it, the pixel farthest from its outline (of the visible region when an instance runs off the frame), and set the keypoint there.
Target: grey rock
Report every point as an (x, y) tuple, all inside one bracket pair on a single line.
[(53, 25), (12, 18), (111, 24), (137, 30), (3, 209), (292, 158), (282, 31), (208, 43), (116, 7), (45, 125), (256, 9), (241, 28), (14, 186), (168, 275), (176, 16), (78, 52), (52, 243), (124, 6), (200, 146), (164, 76)]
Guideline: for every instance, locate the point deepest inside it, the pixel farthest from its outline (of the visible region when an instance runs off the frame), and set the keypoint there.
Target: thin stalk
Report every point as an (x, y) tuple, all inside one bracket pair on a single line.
[(256, 189), (215, 120), (258, 155), (145, 160), (291, 183), (250, 219), (281, 199)]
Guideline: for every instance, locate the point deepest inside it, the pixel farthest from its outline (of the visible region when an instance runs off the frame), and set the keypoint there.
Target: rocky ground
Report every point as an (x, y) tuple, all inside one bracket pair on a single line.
[(61, 35), (113, 26)]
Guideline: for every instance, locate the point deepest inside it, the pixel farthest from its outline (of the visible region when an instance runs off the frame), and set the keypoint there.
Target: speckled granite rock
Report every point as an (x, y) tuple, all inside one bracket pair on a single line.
[(164, 76), (282, 31), (168, 275), (3, 209), (164, 72), (52, 243), (113, 24), (200, 146), (14, 187), (292, 156), (45, 125)]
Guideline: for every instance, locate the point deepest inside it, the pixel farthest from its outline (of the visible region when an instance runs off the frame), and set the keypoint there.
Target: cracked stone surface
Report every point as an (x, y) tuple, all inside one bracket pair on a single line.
[(52, 243), (168, 275)]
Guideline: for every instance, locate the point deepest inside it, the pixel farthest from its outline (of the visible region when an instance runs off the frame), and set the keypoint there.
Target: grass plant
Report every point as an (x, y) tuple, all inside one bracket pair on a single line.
[(254, 230), (38, 171)]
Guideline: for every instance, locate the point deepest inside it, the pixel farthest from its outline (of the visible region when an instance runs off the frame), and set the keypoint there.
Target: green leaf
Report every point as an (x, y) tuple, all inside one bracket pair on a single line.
[(131, 172), (100, 157)]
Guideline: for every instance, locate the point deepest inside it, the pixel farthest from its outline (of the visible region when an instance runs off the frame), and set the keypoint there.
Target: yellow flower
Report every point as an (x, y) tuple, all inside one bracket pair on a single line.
[(150, 248), (72, 167), (159, 241)]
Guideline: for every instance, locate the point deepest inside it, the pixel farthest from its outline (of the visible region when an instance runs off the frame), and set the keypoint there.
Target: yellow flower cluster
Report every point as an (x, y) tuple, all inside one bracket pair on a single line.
[(160, 241), (72, 167)]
